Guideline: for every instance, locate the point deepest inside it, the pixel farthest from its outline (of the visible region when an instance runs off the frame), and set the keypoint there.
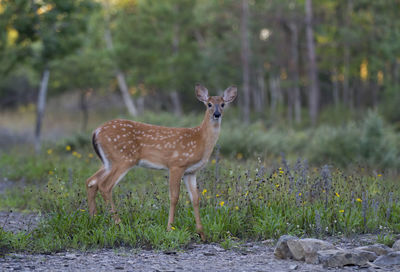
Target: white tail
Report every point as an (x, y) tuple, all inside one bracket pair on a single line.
[(123, 144)]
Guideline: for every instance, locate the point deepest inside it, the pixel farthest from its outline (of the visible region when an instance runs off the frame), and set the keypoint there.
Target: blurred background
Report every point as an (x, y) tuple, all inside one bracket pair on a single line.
[(316, 79)]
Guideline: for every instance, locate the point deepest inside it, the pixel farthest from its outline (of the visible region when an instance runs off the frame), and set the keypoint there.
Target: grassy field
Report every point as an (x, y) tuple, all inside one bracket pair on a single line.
[(241, 200), (249, 190)]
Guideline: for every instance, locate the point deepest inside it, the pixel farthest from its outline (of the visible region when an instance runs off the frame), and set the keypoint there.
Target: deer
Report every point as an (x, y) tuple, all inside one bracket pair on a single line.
[(123, 144)]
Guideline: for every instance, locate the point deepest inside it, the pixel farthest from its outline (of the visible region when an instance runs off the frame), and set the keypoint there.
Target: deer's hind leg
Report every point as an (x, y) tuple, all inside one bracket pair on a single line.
[(92, 188), (108, 183)]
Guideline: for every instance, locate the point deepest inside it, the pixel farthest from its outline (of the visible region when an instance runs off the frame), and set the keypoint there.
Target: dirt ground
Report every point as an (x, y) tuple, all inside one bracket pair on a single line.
[(201, 257)]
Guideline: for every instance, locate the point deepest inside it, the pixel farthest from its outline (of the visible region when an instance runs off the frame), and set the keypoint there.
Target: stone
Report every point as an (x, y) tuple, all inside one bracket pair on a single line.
[(70, 256), (281, 250), (378, 249), (293, 267), (396, 245), (340, 258), (371, 256), (306, 249), (393, 258)]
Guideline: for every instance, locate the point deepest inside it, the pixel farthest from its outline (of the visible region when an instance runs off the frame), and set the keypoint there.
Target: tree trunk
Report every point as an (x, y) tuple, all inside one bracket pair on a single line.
[(294, 70), (275, 90), (176, 103), (259, 97), (312, 66), (245, 56), (41, 105), (347, 92), (125, 93), (84, 108), (123, 86), (140, 104), (335, 87)]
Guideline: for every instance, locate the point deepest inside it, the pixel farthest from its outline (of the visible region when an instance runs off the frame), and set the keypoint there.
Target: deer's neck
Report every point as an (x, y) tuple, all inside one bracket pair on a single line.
[(210, 132)]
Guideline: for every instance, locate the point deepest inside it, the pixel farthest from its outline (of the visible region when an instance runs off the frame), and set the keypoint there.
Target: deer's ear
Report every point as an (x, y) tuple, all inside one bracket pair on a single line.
[(230, 94), (201, 93)]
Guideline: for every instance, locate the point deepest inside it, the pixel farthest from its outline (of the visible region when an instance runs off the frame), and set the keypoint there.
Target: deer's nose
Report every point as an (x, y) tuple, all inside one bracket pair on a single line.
[(217, 114)]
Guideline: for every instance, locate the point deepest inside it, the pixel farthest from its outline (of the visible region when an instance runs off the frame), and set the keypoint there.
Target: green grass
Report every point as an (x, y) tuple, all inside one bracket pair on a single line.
[(241, 200)]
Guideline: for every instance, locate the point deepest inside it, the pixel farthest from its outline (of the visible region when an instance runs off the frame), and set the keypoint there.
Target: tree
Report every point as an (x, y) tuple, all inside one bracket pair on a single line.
[(52, 29), (161, 52), (312, 66), (245, 57), (123, 86)]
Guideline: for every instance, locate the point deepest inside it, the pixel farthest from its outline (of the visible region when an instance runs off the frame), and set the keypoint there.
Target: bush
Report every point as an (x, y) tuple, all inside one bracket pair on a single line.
[(334, 145)]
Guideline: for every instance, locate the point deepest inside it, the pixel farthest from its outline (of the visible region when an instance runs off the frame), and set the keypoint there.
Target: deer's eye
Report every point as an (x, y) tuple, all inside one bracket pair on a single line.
[(222, 105), (209, 105)]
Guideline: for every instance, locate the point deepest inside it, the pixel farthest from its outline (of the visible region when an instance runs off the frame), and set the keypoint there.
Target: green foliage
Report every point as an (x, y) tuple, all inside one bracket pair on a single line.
[(335, 145), (386, 239), (13, 242)]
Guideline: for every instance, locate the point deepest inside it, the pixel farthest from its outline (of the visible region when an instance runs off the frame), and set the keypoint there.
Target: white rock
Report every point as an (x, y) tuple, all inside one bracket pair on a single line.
[(396, 245), (341, 257), (281, 250), (306, 249), (392, 258)]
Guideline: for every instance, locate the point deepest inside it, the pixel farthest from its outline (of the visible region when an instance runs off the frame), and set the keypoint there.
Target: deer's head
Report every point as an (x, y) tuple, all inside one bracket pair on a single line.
[(215, 104)]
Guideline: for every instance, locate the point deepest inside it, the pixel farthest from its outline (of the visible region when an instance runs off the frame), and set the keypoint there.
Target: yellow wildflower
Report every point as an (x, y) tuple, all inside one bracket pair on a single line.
[(217, 195), (204, 191), (379, 175), (173, 228), (359, 200), (341, 211), (51, 172), (236, 207), (337, 194), (82, 210), (222, 203), (76, 154), (68, 148), (277, 185), (299, 194), (213, 161), (49, 151), (90, 155)]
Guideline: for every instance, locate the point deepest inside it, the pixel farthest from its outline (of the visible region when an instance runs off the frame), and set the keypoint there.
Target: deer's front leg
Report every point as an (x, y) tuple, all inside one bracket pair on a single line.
[(175, 176), (191, 186)]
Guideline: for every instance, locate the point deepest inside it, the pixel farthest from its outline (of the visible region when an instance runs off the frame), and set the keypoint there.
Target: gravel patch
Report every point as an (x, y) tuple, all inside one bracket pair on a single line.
[(203, 257)]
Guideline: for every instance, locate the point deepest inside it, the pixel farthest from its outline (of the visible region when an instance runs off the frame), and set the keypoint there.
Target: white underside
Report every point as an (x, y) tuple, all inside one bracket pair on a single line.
[(120, 177), (151, 165), (195, 167)]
